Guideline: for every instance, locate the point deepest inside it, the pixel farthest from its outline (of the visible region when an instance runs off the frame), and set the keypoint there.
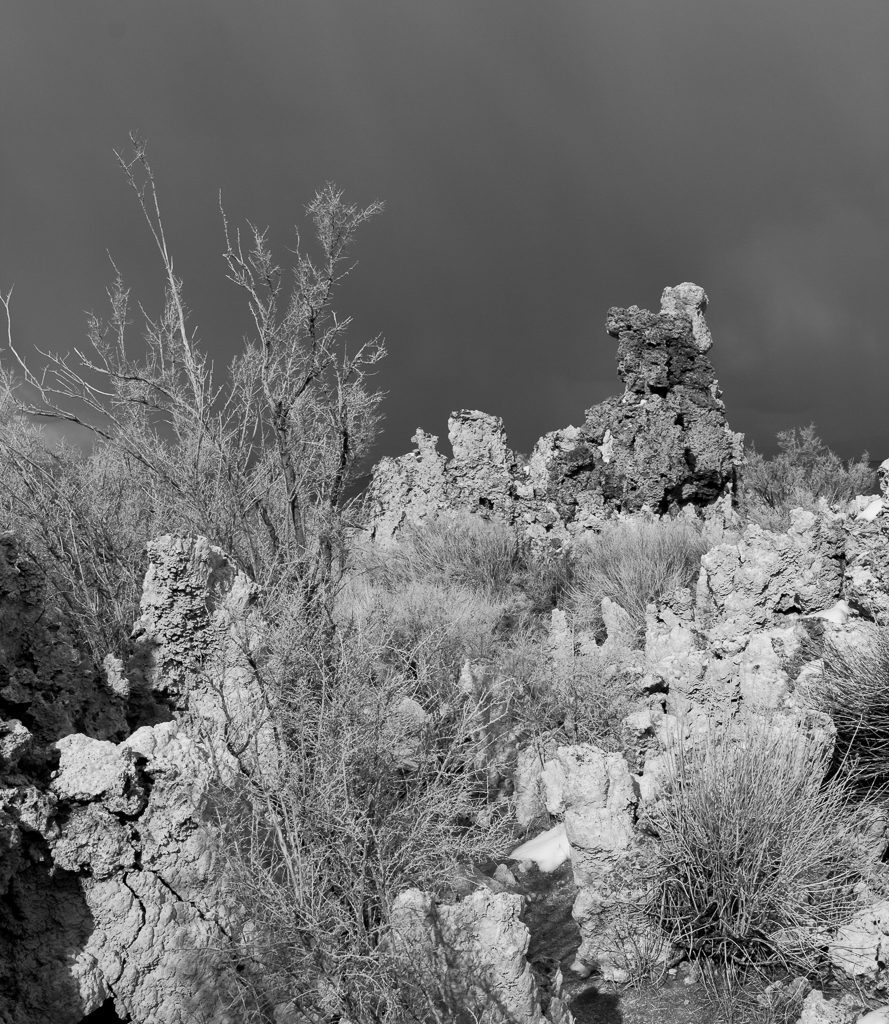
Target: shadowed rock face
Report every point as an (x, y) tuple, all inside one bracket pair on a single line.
[(664, 443), (111, 886)]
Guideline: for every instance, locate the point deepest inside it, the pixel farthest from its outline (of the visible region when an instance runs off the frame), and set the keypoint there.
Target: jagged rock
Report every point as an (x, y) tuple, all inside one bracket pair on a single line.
[(663, 444), (530, 803), (597, 794), (481, 473), (470, 957), (748, 586), (691, 300), (866, 577), (408, 489), (818, 1009), (116, 884)]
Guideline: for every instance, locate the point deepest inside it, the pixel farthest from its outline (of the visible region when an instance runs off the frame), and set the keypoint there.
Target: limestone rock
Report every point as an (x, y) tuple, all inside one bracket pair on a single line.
[(691, 300), (861, 948), (408, 489), (471, 956), (598, 795), (482, 471), (818, 1009), (663, 444), (112, 873), (747, 586), (866, 577)]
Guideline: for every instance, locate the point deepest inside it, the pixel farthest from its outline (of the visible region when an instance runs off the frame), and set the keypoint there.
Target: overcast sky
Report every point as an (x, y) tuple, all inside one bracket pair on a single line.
[(540, 161)]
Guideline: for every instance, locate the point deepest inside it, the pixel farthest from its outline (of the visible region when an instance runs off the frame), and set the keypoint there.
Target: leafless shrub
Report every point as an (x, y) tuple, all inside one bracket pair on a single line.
[(757, 853), (574, 699), (348, 816), (635, 562), (803, 472), (259, 458), (84, 517), (739, 996)]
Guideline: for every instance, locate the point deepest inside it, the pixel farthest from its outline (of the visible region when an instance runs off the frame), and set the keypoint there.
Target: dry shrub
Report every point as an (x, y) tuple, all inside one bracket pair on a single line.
[(853, 691), (575, 699), (350, 811), (84, 518), (803, 472), (758, 856), (635, 562), (744, 997), (423, 630), (463, 551)]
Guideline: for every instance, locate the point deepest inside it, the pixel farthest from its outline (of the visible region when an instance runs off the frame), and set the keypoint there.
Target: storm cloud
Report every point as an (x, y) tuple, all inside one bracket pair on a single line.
[(540, 162)]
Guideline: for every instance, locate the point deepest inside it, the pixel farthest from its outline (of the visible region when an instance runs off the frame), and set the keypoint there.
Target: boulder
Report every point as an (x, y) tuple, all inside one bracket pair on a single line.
[(752, 584), (470, 958)]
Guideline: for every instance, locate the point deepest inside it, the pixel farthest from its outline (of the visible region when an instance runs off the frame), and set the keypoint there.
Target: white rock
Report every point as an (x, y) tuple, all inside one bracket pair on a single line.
[(870, 512), (878, 1016), (837, 613), (548, 851)]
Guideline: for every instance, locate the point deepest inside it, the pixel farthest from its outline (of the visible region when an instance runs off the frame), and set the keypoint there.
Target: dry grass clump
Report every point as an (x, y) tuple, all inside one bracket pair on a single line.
[(575, 699), (757, 855), (803, 472), (853, 691), (635, 562), (462, 551)]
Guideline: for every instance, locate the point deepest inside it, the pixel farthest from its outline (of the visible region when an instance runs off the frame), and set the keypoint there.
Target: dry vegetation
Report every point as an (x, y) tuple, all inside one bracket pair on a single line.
[(803, 473), (390, 753), (758, 851)]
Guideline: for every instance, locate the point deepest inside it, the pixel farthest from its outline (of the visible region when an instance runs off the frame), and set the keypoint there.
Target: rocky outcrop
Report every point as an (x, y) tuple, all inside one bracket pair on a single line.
[(112, 874), (663, 444), (469, 958)]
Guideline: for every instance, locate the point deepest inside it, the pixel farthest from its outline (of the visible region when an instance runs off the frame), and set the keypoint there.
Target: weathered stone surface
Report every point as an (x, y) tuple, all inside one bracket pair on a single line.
[(818, 1009), (409, 488), (691, 300), (471, 956), (750, 585), (866, 577), (663, 444), (112, 873), (861, 948), (598, 796)]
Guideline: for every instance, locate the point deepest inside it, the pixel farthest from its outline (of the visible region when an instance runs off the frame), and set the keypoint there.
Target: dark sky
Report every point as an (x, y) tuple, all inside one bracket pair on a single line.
[(541, 161)]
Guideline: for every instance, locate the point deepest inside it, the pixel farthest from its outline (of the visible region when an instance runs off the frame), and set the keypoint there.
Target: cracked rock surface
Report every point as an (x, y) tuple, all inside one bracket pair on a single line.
[(110, 881)]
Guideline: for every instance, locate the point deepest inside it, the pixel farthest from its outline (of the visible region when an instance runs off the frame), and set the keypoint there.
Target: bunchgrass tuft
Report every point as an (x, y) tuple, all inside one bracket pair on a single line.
[(758, 856), (635, 563)]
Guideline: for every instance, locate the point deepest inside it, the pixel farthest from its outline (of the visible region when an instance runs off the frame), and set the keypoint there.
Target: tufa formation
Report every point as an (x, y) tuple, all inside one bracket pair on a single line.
[(664, 444)]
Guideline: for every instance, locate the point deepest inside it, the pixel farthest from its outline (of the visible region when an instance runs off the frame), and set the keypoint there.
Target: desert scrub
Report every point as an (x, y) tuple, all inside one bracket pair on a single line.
[(634, 562), (580, 698), (853, 690), (368, 791), (758, 852), (423, 630), (804, 472), (463, 551)]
